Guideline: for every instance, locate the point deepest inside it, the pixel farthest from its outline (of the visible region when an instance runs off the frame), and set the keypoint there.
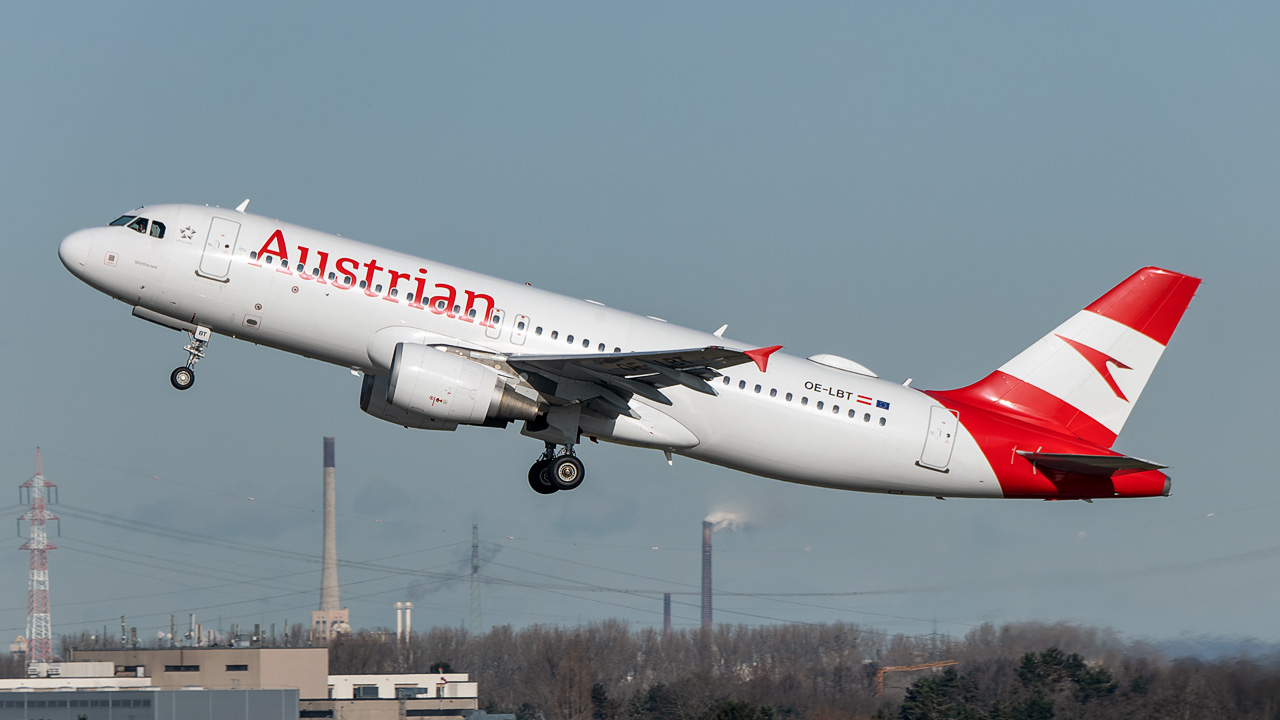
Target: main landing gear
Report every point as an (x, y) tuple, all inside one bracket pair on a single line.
[(185, 376), (554, 472)]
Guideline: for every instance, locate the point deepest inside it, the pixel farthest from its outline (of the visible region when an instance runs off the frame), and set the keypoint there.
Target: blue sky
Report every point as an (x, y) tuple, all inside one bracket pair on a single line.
[(926, 189)]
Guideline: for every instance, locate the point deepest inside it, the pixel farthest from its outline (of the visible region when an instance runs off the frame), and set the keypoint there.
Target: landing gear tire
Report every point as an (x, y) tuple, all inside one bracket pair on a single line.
[(540, 478), (183, 378), (567, 472)]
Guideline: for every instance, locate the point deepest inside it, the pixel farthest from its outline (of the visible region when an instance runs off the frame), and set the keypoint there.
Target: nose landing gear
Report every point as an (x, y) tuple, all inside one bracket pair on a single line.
[(553, 472), (185, 376)]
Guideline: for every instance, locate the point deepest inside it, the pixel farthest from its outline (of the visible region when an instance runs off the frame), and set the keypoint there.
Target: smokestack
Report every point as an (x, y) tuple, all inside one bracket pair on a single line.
[(666, 615), (399, 621), (408, 620), (706, 575), (329, 562)]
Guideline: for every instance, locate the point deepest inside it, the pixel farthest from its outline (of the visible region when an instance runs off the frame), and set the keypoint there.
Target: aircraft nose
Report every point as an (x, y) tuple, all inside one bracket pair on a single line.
[(74, 250)]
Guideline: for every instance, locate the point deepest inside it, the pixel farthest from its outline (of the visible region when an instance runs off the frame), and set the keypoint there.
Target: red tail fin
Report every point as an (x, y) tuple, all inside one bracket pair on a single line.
[(1084, 377)]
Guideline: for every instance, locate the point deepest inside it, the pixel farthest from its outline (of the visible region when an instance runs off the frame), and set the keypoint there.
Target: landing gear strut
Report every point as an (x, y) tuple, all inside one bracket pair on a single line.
[(185, 376), (552, 471)]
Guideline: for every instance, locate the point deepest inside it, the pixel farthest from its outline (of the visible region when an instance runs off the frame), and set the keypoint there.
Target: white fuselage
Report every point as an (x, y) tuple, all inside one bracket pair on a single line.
[(798, 421)]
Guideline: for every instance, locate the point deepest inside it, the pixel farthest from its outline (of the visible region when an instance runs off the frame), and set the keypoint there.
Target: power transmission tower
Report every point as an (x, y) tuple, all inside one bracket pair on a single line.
[(39, 620), (475, 579)]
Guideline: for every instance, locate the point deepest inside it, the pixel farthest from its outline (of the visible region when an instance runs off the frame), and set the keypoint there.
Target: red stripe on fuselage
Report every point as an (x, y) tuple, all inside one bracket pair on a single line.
[(1000, 436), (1008, 395)]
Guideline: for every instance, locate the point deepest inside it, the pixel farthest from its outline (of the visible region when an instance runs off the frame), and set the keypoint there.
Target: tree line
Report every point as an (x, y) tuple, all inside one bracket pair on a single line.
[(611, 671), (1022, 671)]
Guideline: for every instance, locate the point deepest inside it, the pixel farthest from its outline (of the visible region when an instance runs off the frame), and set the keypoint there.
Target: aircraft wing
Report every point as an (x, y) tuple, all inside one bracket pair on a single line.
[(1090, 464), (620, 375)]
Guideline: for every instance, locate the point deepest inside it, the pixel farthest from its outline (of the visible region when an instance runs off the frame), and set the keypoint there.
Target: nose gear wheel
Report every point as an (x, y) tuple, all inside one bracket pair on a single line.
[(185, 376)]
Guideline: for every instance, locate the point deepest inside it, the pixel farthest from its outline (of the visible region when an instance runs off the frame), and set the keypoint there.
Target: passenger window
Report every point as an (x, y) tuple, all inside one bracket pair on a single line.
[(470, 313), (773, 392), (600, 348), (122, 220), (332, 277), (569, 339), (853, 413), (440, 305), (726, 380), (617, 349), (866, 418), (253, 254), (270, 259), (881, 422), (819, 404), (520, 325), (804, 401), (789, 396), (378, 288), (538, 331), (409, 297), (742, 384), (835, 409), (395, 292), (457, 309), (139, 225), (555, 334), (757, 389), (363, 284), (157, 229)]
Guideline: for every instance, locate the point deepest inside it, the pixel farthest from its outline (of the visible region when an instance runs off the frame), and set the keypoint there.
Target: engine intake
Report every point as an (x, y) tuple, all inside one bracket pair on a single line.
[(373, 400)]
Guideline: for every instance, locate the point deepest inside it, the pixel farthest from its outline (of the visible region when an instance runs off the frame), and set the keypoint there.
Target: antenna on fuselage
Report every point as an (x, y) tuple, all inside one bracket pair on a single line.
[(240, 208), (720, 333)]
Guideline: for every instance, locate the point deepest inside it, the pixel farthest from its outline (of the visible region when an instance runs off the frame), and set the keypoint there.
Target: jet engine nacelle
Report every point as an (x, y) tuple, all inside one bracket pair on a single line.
[(449, 388), (373, 400)]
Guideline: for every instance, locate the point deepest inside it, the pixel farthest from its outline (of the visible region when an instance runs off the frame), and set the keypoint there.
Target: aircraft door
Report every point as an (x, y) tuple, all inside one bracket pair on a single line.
[(219, 247), (519, 329), (940, 440), (494, 328)]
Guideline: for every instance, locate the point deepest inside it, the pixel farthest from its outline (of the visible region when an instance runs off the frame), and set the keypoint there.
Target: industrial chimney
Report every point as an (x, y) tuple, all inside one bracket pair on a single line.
[(331, 618), (706, 575), (329, 573), (666, 615)]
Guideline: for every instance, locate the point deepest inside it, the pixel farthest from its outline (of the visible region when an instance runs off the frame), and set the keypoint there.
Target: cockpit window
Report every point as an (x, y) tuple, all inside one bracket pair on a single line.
[(122, 220), (157, 229), (139, 224)]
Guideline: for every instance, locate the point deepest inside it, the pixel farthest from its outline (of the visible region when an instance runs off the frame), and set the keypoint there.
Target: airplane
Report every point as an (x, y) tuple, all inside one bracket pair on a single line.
[(439, 347)]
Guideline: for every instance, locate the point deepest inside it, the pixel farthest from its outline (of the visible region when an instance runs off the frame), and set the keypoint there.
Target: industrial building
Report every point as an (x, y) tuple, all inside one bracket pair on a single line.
[(100, 690), (306, 669), (197, 683), (153, 704)]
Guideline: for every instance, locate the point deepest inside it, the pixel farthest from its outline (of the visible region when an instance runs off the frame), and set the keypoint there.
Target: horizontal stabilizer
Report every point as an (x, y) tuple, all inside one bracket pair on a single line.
[(1090, 464)]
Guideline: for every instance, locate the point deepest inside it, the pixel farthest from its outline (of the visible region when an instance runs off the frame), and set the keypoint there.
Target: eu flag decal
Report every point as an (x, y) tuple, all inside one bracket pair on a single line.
[(882, 405)]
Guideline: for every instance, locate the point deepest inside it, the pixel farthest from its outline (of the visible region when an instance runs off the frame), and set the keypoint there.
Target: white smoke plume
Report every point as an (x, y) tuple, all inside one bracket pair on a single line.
[(724, 519)]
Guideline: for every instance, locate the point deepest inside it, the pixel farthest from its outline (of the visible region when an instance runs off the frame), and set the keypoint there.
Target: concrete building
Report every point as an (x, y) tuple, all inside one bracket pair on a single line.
[(386, 697), (306, 669)]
